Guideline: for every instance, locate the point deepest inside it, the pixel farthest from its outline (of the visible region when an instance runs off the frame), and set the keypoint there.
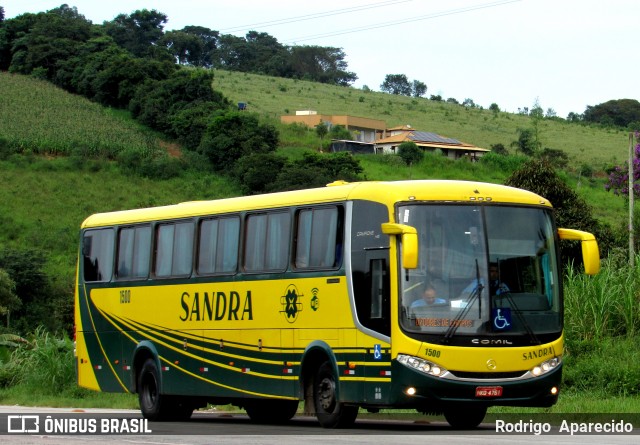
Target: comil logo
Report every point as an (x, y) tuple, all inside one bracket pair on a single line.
[(23, 424)]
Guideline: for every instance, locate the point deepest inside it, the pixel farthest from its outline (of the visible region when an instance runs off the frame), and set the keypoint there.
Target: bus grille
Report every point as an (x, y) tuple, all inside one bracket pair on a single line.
[(488, 375)]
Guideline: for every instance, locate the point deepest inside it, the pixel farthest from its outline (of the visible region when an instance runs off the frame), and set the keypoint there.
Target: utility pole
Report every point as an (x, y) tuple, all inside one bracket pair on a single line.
[(631, 184)]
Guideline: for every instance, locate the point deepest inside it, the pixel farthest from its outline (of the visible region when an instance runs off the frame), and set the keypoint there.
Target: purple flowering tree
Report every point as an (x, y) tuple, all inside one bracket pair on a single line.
[(618, 181)]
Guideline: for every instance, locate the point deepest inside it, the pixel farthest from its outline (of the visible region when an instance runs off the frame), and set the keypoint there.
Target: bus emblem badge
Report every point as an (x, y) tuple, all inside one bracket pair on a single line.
[(290, 304)]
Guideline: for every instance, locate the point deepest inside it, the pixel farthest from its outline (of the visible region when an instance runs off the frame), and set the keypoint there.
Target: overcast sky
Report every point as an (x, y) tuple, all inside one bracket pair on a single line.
[(566, 54)]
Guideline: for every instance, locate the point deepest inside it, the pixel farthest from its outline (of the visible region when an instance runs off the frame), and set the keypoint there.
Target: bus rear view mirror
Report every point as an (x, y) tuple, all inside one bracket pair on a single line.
[(590, 253), (409, 242)]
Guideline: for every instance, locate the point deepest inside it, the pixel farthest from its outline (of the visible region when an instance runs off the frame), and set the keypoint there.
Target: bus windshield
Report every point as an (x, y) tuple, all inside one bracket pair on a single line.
[(485, 271)]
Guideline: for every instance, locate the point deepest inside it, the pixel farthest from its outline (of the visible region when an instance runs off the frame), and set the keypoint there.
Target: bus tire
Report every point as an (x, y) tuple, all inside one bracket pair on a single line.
[(154, 405), (271, 411), (465, 418), (331, 413)]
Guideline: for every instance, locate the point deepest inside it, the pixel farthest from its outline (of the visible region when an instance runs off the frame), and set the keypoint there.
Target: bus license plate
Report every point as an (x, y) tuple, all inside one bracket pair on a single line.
[(489, 391)]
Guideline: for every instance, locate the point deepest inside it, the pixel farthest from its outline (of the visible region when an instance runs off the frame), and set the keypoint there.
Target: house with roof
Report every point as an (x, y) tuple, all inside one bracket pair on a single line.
[(452, 148), (363, 129)]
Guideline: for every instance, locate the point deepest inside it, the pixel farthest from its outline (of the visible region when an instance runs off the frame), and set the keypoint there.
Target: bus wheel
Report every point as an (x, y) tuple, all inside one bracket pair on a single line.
[(154, 405), (465, 418), (271, 411), (330, 412)]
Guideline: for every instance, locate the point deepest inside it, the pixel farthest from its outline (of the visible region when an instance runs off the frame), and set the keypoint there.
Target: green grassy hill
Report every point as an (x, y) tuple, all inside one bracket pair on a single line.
[(273, 97), (43, 199)]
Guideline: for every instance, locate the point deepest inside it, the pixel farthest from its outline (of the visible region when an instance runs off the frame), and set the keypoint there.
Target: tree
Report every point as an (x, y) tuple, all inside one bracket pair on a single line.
[(536, 115), (396, 84), (138, 32), (525, 142), (469, 103), (410, 152), (257, 172), (43, 41), (538, 176), (209, 39), (419, 88), (156, 103), (320, 64), (340, 132), (494, 107), (107, 73), (317, 170), (234, 134), (187, 49), (26, 269), (622, 112), (321, 131), (574, 117), (499, 149)]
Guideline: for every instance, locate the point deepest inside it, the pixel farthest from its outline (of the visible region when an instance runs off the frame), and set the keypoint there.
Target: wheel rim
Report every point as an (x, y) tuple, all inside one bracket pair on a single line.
[(327, 394)]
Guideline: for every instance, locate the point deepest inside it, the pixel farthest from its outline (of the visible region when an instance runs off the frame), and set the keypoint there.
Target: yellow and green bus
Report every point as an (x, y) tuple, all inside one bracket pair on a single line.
[(320, 296)]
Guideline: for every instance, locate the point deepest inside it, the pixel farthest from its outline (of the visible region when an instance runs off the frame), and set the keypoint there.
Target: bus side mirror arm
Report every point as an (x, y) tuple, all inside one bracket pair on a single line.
[(590, 253), (409, 242)]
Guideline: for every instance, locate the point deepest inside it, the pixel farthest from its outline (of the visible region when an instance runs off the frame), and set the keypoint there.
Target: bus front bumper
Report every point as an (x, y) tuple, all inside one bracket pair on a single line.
[(417, 389)]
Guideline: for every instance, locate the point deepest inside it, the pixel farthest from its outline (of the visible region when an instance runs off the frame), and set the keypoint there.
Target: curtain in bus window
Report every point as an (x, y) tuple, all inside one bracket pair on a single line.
[(323, 240), (207, 250), (218, 249), (228, 240), (303, 239), (125, 252), (141, 252), (164, 250), (255, 239), (277, 241), (182, 249)]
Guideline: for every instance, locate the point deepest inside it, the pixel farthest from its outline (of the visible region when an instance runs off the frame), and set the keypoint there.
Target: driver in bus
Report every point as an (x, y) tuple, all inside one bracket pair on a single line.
[(429, 298)]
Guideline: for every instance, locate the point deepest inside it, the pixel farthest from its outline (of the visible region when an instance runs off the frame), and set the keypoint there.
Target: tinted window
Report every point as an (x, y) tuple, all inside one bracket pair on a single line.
[(97, 253), (218, 245)]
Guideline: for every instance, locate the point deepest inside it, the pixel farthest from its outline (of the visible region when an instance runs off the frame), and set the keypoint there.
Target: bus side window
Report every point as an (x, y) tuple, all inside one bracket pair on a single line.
[(97, 254), (266, 246), (174, 249), (134, 250), (318, 238), (218, 245)]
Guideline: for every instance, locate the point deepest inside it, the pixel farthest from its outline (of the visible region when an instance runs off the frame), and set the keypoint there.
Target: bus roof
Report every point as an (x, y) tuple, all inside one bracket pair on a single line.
[(380, 191)]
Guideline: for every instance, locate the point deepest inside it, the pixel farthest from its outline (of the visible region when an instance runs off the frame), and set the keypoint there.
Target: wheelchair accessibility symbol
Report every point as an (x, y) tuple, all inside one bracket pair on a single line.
[(501, 319), (377, 352)]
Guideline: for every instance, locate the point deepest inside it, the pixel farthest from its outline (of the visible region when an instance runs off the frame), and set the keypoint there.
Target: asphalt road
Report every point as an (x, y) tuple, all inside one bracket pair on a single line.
[(236, 428)]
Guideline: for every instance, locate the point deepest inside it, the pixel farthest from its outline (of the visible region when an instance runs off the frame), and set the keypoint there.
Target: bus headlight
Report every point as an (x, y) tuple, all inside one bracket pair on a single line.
[(545, 366), (421, 365)]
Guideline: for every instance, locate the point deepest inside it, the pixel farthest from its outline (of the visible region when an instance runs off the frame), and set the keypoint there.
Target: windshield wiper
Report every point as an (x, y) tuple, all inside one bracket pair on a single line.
[(476, 293)]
